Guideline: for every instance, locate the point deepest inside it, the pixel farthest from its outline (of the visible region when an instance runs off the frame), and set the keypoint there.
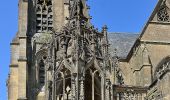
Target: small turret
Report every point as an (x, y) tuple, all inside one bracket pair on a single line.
[(105, 43)]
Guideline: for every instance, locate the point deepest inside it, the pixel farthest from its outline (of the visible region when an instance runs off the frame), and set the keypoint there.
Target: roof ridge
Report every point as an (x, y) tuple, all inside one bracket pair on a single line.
[(124, 33)]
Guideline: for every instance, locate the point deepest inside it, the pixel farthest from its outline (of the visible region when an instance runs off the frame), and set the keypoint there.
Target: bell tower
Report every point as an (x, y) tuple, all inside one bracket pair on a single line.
[(17, 80), (36, 21)]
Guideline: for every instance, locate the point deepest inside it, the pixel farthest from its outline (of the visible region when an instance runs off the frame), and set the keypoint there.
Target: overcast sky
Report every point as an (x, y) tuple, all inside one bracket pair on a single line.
[(119, 15)]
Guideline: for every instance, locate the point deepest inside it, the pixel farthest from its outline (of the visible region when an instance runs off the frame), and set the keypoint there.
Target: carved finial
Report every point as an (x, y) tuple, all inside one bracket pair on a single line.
[(105, 28)]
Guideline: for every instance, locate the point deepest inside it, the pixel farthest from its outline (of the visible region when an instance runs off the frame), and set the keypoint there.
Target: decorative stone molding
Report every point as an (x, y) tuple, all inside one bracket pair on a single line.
[(163, 14), (162, 68)]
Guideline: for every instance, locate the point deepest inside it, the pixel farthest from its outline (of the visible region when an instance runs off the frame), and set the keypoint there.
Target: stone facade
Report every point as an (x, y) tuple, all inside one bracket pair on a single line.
[(58, 55)]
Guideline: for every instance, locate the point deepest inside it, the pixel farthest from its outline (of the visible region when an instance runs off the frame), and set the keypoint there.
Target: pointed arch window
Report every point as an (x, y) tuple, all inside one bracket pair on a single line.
[(44, 16), (41, 70), (93, 84), (63, 84), (162, 68)]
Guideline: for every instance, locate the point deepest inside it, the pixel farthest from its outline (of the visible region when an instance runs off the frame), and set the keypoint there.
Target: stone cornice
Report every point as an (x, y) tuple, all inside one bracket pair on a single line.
[(162, 23), (156, 42), (13, 65), (22, 99), (22, 59), (14, 43), (22, 37), (145, 65)]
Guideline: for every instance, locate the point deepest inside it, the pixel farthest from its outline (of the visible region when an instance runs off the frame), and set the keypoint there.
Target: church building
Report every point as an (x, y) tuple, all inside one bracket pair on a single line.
[(57, 54)]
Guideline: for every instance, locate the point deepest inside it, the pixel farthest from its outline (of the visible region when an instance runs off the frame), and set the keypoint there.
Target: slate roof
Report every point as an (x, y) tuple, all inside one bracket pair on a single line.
[(123, 42)]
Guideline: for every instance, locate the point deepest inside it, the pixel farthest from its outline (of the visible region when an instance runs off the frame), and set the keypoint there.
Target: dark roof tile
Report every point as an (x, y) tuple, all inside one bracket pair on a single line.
[(123, 42)]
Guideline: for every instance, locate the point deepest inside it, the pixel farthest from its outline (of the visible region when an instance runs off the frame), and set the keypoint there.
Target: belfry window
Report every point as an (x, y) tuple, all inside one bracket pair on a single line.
[(44, 16)]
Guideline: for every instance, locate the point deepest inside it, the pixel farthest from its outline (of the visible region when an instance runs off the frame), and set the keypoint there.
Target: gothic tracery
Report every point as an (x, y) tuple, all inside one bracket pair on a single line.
[(162, 69), (73, 62), (80, 48), (163, 14), (44, 16)]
